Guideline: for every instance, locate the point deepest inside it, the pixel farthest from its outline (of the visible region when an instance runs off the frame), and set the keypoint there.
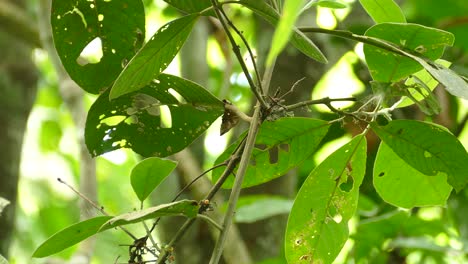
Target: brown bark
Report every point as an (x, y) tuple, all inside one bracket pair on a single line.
[(17, 91)]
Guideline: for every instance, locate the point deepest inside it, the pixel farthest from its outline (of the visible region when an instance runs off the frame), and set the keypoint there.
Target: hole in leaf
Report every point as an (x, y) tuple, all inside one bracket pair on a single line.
[(92, 53), (299, 241), (261, 146), (121, 143), (144, 102), (284, 147), (348, 185), (100, 17), (337, 218), (273, 154), (113, 120), (166, 118), (133, 119), (381, 174), (177, 96)]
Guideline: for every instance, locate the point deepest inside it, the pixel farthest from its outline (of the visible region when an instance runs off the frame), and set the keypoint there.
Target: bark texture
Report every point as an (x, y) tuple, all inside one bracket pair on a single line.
[(18, 78)]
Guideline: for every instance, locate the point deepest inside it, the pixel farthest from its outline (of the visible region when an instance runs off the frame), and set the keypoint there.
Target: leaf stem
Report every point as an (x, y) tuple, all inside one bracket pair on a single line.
[(211, 221), (235, 48), (244, 162), (231, 164), (376, 42), (257, 119), (326, 101)]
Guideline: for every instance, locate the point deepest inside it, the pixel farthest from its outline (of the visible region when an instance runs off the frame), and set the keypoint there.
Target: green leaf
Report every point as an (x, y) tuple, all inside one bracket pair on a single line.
[(427, 147), (452, 82), (386, 66), (395, 181), (284, 28), (383, 11), (280, 146), (191, 6), (259, 207), (148, 174), (426, 78), (298, 39), (423, 243), (70, 236), (135, 120), (330, 4), (154, 57), (120, 26), (318, 223), (372, 233), (188, 208)]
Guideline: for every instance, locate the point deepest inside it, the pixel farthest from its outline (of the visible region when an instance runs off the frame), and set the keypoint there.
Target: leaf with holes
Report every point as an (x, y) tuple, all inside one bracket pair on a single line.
[(154, 57), (188, 208), (161, 119), (386, 66), (383, 11), (280, 146), (70, 236), (395, 181), (148, 174), (427, 147), (318, 223), (75, 24), (298, 39)]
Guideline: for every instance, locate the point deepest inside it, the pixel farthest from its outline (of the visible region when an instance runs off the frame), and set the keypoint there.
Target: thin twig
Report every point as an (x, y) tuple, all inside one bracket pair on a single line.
[(249, 50), (244, 162), (257, 119), (198, 177), (324, 101), (93, 204), (376, 42), (185, 188), (211, 221), (236, 50), (231, 165)]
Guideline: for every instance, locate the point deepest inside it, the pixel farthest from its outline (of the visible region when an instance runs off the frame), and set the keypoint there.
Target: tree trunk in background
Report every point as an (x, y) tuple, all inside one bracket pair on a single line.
[(73, 97), (17, 91)]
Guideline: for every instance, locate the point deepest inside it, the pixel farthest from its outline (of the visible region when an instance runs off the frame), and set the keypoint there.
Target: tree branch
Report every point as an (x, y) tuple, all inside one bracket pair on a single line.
[(235, 48)]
